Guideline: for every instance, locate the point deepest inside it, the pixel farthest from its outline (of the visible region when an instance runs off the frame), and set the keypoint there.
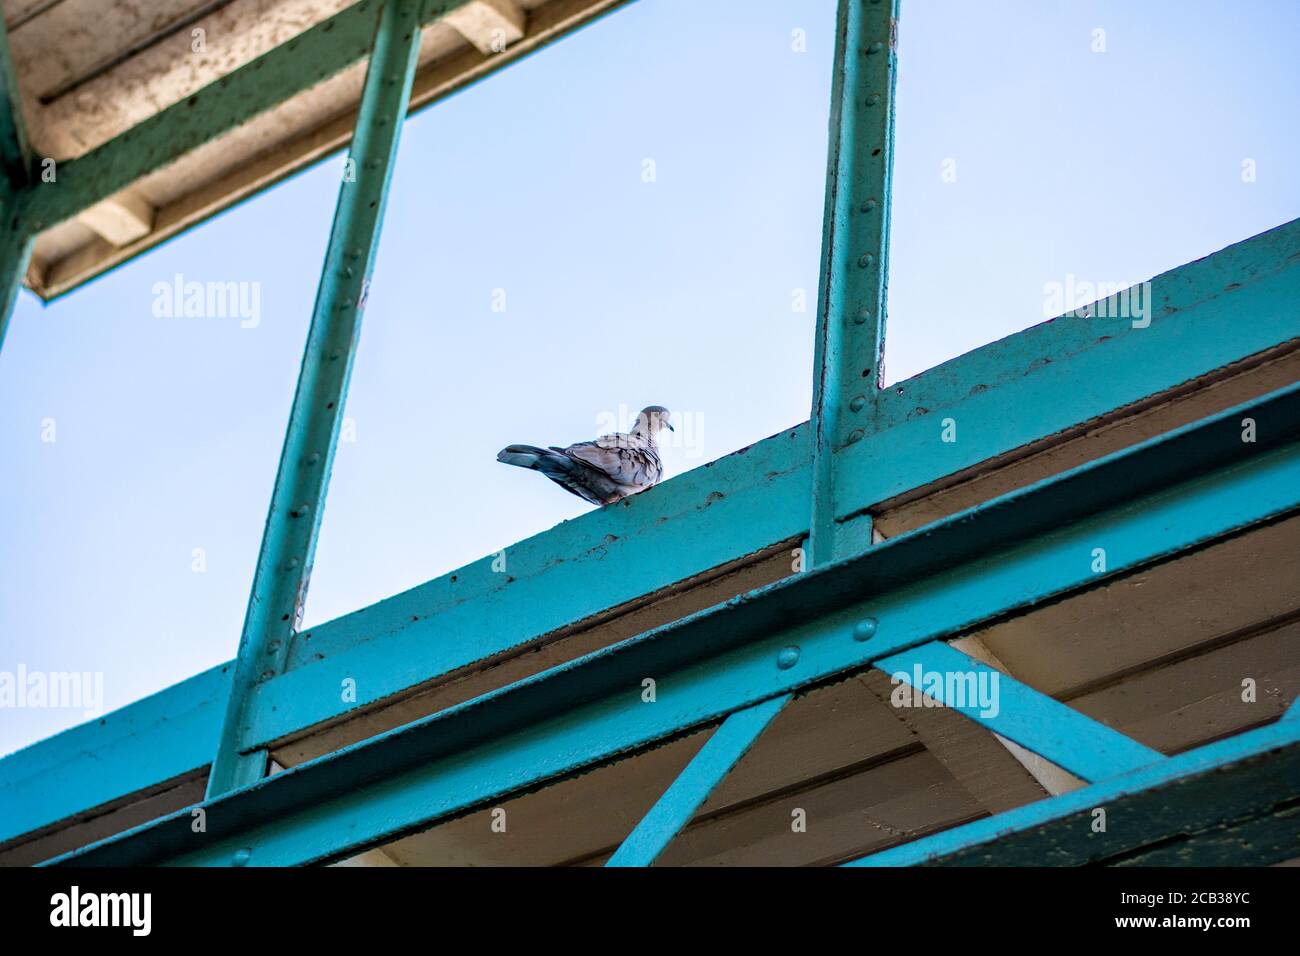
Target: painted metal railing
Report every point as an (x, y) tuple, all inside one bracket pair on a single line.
[(861, 605), (885, 607)]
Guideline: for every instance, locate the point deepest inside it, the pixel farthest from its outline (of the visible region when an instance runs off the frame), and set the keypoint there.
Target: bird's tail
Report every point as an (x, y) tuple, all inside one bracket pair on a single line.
[(550, 463)]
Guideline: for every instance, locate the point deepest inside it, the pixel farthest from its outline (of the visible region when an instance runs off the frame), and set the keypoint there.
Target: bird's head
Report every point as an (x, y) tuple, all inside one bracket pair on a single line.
[(652, 419)]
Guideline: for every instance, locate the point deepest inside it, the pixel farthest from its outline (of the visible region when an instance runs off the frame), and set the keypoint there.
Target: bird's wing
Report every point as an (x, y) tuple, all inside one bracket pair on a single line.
[(625, 460)]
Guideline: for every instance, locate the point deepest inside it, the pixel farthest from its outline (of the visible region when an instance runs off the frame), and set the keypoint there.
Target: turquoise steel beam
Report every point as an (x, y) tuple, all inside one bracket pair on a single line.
[(295, 700), (154, 742), (317, 54), (1162, 814), (692, 787), (15, 150), (855, 252), (289, 541), (1008, 394), (997, 559), (1085, 747), (1058, 380)]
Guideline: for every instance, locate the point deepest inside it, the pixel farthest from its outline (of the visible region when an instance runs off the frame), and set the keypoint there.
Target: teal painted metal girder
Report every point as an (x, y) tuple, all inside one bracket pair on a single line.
[(279, 711), (700, 520), (15, 151), (1073, 741), (1195, 329), (1000, 558), (855, 252), (736, 506), (164, 737), (692, 787), (1051, 378), (1162, 814), (1047, 381), (317, 54), (759, 497), (293, 522)]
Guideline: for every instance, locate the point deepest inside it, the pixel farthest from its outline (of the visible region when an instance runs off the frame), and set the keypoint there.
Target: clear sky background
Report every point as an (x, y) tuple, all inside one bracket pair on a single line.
[(1109, 166)]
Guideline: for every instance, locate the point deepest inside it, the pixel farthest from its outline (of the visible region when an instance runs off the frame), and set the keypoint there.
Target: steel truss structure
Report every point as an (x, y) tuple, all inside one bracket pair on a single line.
[(862, 603)]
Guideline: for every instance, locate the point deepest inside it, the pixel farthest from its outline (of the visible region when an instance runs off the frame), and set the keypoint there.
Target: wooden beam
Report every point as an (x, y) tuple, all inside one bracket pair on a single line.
[(491, 25), (1159, 815), (197, 199), (984, 769), (121, 219), (1051, 778), (1086, 747)]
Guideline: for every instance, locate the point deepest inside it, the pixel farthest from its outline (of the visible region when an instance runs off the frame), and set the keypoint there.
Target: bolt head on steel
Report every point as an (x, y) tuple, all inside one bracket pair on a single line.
[(788, 657), (865, 629)]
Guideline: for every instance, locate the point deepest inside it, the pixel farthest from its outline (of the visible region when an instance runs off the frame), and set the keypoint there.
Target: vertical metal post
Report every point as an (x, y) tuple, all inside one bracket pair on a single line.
[(15, 174), (855, 252), (15, 251), (289, 540), (15, 151), (850, 340)]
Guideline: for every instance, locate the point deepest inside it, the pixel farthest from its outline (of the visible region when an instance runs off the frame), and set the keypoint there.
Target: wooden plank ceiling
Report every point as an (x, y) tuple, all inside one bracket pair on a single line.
[(90, 69)]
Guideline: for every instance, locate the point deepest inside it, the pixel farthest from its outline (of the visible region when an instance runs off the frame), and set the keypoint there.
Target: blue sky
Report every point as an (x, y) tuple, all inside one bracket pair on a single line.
[(529, 189)]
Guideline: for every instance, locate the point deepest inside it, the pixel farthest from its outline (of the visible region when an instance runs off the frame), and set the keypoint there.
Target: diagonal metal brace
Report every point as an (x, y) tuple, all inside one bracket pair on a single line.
[(693, 785), (1085, 747)]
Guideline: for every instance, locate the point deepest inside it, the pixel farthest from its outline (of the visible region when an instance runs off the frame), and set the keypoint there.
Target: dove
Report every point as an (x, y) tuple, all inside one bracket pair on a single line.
[(605, 470)]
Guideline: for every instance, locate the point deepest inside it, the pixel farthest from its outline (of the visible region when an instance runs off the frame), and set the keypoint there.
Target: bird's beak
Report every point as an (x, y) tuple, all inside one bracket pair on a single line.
[(669, 426)]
